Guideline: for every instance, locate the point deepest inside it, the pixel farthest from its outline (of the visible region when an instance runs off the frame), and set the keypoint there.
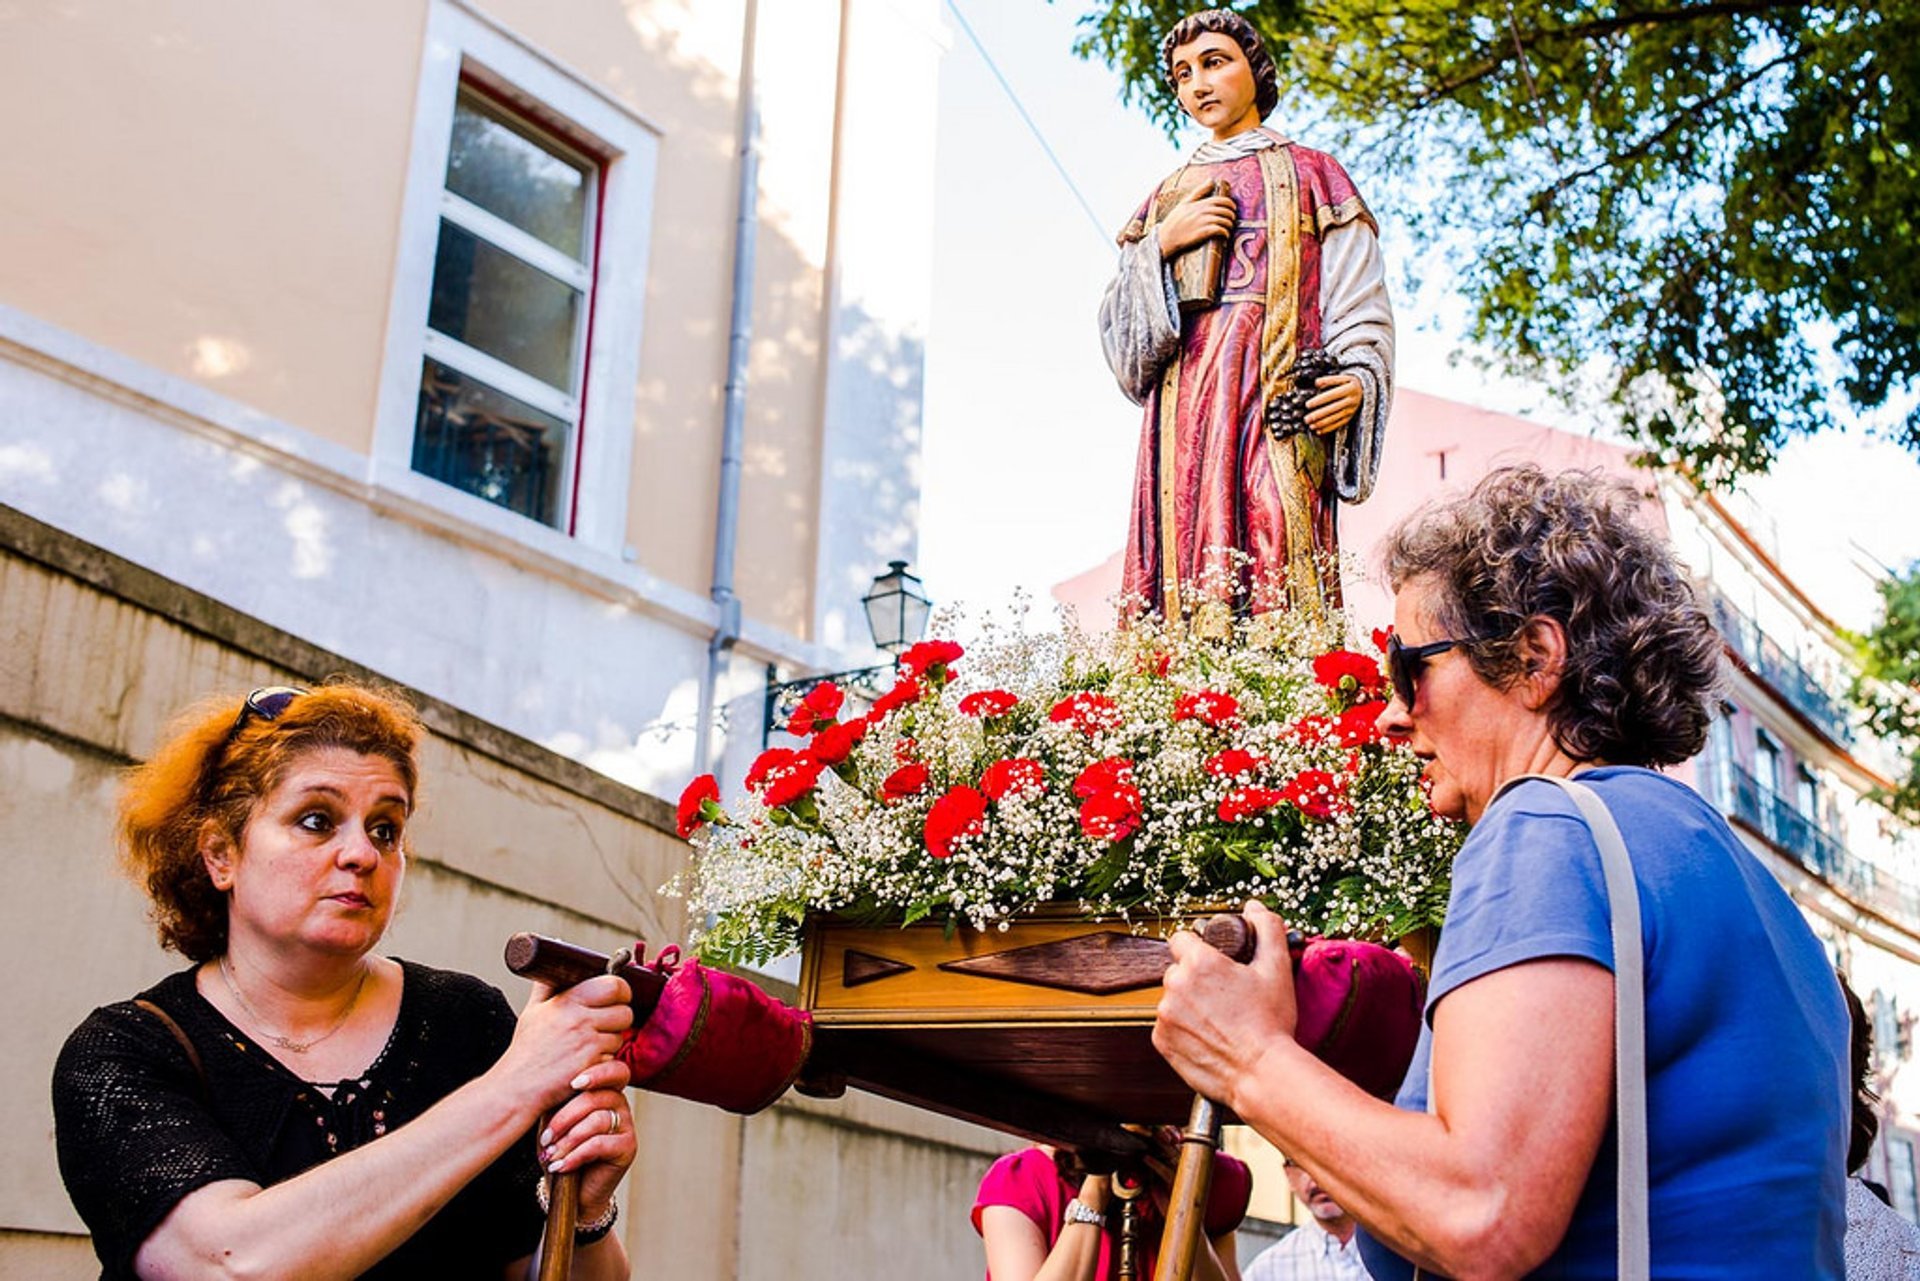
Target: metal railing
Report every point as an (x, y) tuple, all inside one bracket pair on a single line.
[(1769, 660), (1809, 842)]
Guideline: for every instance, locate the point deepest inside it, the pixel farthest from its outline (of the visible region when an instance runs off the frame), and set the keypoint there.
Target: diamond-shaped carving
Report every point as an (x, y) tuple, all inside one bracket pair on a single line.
[(864, 967), (1100, 964)]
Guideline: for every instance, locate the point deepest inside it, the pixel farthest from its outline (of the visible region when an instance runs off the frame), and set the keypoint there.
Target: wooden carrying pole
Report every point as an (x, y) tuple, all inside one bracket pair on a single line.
[(561, 965), (1186, 1226)]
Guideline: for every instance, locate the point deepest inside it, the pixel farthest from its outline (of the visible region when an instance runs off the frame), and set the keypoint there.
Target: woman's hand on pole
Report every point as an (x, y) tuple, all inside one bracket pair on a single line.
[(1217, 1016), (566, 1041), (592, 1133)]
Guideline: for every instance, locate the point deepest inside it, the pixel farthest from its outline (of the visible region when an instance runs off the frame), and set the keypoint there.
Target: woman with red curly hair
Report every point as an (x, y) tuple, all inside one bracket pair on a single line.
[(294, 1103)]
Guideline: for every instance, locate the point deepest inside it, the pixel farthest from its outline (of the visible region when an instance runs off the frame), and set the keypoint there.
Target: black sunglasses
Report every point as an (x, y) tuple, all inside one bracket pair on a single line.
[(1406, 662), (268, 703)]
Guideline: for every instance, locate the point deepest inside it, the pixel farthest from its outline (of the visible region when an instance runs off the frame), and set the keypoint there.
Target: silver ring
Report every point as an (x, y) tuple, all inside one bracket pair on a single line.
[(613, 1121)]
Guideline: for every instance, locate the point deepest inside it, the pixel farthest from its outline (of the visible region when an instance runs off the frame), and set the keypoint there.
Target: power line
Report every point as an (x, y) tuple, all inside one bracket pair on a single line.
[(1099, 228)]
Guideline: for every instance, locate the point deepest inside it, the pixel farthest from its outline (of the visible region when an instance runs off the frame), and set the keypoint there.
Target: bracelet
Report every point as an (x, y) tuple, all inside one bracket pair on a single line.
[(1079, 1211), (583, 1233)]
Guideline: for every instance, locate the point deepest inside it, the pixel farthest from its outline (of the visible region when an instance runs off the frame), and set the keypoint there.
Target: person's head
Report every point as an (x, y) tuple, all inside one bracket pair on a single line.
[(1866, 1113), (1319, 1202), (1220, 71), (281, 765), (1538, 608)]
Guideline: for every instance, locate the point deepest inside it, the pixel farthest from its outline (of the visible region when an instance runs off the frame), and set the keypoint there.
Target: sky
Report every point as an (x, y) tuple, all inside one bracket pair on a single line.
[(1029, 447)]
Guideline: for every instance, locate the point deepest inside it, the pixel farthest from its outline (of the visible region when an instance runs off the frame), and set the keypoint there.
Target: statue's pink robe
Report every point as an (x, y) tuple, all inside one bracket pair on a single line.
[(1209, 475)]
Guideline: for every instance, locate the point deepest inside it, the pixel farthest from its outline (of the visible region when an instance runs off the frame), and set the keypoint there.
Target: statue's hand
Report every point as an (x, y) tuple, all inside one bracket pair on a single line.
[(1199, 217), (1335, 402)]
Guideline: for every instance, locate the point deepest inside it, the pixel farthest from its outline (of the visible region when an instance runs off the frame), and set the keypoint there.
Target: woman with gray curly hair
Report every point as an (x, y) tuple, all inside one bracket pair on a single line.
[(1540, 629)]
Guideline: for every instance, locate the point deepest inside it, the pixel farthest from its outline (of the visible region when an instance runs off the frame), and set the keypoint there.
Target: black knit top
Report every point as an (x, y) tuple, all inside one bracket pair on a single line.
[(137, 1129)]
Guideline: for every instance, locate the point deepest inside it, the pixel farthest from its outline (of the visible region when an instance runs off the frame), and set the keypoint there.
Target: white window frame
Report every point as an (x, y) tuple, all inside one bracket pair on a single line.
[(464, 45)]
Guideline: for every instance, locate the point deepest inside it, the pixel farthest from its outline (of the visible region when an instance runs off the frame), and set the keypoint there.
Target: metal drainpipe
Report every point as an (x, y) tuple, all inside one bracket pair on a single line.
[(733, 428)]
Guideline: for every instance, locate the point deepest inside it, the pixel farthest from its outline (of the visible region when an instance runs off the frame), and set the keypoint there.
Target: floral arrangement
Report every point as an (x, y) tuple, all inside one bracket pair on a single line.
[(1146, 773)]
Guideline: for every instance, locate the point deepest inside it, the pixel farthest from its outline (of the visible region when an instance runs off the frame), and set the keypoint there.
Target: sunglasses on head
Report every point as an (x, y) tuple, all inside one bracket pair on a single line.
[(1406, 662), (268, 703)]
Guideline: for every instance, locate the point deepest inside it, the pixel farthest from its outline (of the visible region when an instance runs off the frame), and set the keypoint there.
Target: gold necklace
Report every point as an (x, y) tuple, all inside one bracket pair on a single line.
[(287, 1043)]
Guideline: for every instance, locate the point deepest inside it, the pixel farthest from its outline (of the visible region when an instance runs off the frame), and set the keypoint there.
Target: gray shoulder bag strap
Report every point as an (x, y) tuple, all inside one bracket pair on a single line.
[(1629, 1022)]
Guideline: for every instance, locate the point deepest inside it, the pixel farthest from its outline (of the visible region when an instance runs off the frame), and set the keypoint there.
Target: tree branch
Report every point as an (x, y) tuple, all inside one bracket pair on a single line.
[(1495, 55), (1686, 116)]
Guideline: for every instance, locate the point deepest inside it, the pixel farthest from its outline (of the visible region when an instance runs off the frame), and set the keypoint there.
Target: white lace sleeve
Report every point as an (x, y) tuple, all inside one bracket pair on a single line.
[(1140, 319), (1357, 329)]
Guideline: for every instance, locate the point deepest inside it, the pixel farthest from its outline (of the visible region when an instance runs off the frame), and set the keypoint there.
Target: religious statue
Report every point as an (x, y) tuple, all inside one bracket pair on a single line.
[(1250, 318)]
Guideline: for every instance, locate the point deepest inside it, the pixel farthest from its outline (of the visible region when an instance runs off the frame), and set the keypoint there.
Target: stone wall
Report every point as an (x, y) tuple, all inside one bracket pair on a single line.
[(96, 654)]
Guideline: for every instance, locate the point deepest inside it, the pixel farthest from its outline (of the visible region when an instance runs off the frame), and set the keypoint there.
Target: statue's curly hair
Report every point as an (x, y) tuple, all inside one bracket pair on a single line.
[(1643, 664), (215, 767), (1266, 80)]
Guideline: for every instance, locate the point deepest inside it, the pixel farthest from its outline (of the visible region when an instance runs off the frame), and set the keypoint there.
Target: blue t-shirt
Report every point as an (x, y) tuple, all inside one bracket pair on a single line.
[(1748, 1100)]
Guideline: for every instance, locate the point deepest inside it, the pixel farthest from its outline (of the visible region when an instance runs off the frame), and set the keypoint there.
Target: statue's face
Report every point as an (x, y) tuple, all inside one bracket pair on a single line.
[(1215, 84)]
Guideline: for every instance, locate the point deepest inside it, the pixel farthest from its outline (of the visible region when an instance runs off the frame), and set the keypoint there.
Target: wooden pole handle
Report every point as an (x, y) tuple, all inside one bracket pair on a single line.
[(1185, 1232), (1230, 935), (560, 965), (1186, 1228), (563, 1216)]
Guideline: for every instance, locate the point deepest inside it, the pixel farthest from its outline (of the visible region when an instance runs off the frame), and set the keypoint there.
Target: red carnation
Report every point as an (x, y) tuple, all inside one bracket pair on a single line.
[(832, 744), (988, 702), (961, 812), (1381, 635), (818, 708), (924, 657), (1334, 669), (691, 814), (905, 690), (789, 783), (1111, 816), (1088, 712), (1317, 793), (1249, 801), (774, 758), (1103, 776), (909, 780), (1015, 774), (1359, 725), (1310, 729), (1232, 762), (1208, 705)]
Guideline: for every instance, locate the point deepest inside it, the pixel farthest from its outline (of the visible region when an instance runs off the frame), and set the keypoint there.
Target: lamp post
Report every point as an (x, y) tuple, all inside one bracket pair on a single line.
[(897, 608)]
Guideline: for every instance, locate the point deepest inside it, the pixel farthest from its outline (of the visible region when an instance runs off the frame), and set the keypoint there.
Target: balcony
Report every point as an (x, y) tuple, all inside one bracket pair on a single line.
[(1816, 848), (1769, 660)]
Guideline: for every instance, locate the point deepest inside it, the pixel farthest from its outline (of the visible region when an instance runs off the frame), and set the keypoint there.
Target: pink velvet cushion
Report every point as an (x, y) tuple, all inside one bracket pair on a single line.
[(1360, 1008), (717, 1038)]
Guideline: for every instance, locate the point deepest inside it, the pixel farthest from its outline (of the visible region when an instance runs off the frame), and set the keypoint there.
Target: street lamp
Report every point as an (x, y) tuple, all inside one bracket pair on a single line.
[(897, 607)]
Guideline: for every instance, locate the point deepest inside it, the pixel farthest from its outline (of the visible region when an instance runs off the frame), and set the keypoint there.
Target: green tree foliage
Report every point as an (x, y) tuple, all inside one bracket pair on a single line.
[(1712, 200), (1890, 690)]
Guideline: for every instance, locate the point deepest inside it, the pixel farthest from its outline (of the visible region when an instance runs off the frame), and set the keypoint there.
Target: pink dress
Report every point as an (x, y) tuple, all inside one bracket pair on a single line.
[(1028, 1181)]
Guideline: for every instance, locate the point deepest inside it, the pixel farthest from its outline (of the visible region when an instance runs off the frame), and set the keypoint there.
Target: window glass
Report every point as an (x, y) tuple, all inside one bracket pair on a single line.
[(492, 301), (487, 443), (1900, 1185), (513, 177)]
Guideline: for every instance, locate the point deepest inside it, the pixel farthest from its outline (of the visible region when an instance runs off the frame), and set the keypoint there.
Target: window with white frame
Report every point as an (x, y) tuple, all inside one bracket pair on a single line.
[(513, 335), (506, 333)]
